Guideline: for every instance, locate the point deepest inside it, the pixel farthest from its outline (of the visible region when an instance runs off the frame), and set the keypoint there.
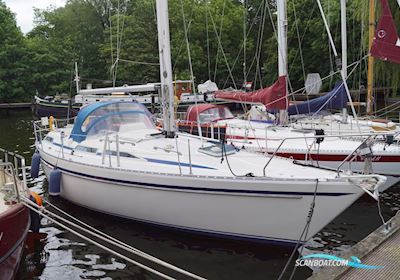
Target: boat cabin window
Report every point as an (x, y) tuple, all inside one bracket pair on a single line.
[(49, 139), (118, 117), (121, 154), (86, 149), (214, 114)]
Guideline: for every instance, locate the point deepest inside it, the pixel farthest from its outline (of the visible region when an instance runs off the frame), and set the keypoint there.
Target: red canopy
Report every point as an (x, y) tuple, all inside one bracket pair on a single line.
[(194, 111), (273, 97), (386, 43)]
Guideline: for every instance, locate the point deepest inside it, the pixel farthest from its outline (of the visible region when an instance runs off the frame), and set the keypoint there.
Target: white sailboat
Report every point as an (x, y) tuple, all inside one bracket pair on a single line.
[(299, 143), (296, 140), (114, 160)]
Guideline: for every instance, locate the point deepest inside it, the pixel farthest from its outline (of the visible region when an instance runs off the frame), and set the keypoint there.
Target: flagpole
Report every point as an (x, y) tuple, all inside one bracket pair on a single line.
[(370, 57)]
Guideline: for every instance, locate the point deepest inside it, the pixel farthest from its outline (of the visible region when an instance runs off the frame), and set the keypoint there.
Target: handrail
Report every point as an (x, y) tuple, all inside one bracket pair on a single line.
[(368, 135), (17, 159), (348, 156), (11, 168)]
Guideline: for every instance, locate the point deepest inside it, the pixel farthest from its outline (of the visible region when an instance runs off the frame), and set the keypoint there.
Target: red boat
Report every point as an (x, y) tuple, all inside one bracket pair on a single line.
[(15, 218)]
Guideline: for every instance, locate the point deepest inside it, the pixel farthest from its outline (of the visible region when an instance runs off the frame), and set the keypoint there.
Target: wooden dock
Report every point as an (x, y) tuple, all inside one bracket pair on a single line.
[(8, 106), (380, 248)]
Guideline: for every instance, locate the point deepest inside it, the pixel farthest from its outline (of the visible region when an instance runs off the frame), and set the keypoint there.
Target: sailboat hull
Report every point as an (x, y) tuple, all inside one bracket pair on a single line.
[(263, 210), (388, 166)]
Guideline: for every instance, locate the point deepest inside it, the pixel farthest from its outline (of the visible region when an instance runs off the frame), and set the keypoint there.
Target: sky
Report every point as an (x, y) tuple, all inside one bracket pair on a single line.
[(24, 10)]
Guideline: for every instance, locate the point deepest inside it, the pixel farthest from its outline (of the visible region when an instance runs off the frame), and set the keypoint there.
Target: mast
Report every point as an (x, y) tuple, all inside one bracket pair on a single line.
[(336, 55), (370, 57), (282, 49), (77, 78), (165, 68), (344, 45)]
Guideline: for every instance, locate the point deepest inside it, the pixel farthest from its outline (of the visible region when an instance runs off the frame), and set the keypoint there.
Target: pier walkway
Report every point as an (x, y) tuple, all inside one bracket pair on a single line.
[(15, 105), (380, 248)]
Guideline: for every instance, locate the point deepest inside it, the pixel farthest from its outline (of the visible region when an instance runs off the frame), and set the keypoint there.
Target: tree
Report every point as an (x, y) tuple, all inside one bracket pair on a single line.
[(63, 36), (12, 51)]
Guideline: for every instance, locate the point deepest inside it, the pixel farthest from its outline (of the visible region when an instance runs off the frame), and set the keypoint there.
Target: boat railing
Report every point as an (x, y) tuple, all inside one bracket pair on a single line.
[(8, 182), (108, 152), (45, 125), (364, 149), (12, 164), (368, 139)]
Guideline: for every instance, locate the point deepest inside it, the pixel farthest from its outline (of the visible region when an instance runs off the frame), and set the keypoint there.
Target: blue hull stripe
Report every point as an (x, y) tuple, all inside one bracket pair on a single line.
[(160, 161), (250, 192)]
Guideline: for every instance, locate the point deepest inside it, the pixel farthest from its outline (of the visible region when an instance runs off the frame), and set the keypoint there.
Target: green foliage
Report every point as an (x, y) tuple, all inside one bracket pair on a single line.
[(87, 32), (12, 51), (62, 37)]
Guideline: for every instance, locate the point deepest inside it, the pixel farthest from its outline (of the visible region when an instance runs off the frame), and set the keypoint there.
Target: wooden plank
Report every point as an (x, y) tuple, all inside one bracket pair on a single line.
[(15, 105)]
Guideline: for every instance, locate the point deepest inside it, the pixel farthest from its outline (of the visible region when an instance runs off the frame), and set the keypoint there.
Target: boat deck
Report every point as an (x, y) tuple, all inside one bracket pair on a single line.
[(380, 248)]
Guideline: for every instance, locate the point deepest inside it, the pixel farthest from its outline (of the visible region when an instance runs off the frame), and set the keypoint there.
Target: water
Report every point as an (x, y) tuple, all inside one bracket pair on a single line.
[(62, 255)]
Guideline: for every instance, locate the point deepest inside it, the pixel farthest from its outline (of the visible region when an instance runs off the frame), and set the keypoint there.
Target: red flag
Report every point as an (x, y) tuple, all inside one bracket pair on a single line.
[(273, 97), (386, 43)]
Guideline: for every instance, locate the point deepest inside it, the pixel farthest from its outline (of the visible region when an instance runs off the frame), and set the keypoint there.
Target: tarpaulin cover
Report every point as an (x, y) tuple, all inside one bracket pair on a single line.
[(336, 99), (273, 97)]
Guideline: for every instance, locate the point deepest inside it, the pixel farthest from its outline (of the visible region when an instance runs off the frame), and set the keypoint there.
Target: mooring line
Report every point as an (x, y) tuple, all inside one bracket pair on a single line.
[(109, 239)]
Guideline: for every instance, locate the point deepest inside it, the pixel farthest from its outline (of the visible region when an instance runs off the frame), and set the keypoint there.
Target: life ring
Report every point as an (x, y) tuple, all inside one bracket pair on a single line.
[(35, 217)]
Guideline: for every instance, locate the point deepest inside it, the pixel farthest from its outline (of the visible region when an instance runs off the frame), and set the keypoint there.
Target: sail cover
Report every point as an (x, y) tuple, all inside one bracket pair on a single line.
[(336, 99), (273, 97), (386, 43)]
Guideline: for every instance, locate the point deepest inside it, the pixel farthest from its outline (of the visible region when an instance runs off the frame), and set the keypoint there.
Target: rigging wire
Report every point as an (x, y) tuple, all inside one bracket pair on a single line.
[(208, 48), (182, 43), (218, 36), (298, 40), (332, 74), (188, 53), (259, 47), (111, 40), (222, 49), (349, 75), (303, 233), (337, 72), (305, 31), (254, 60), (120, 31), (241, 46), (119, 42)]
